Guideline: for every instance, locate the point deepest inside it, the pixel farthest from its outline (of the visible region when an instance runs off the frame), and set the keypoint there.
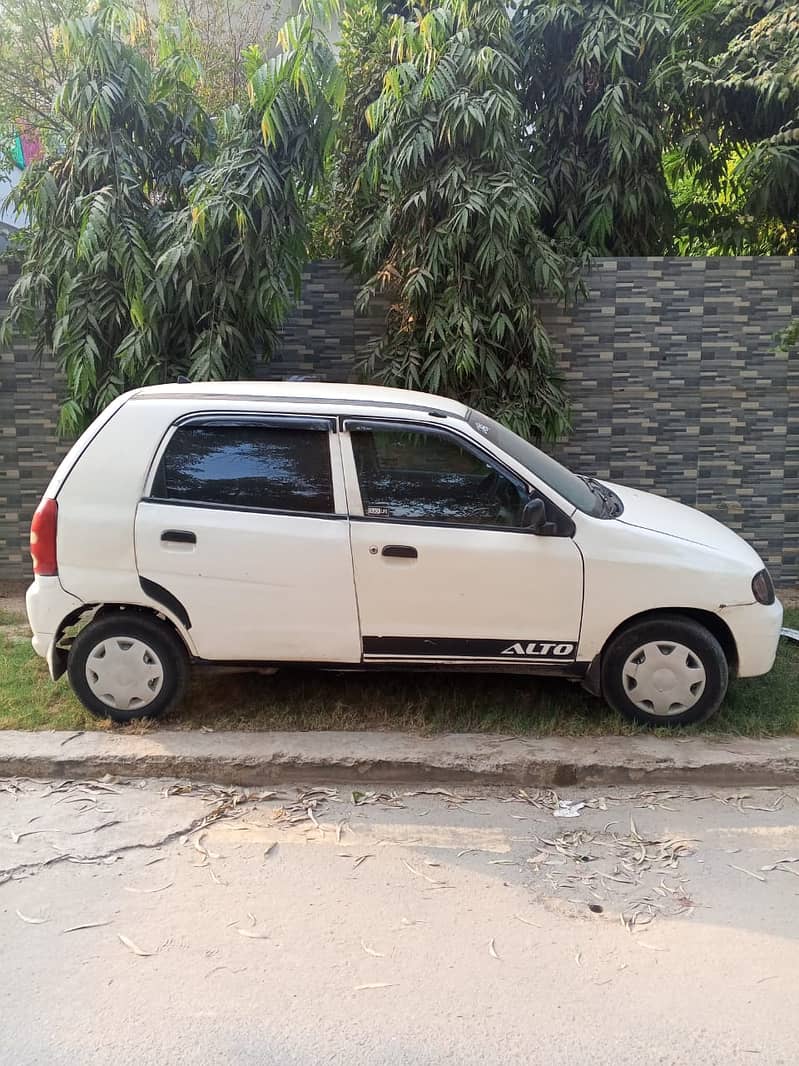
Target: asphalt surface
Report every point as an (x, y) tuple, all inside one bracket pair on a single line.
[(450, 927)]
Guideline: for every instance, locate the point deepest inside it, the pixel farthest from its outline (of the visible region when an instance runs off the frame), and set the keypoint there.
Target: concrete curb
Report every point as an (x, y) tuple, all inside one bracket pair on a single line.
[(401, 758)]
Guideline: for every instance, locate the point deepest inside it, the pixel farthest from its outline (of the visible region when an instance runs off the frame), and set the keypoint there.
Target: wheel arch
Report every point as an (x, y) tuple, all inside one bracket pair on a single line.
[(712, 622), (91, 612)]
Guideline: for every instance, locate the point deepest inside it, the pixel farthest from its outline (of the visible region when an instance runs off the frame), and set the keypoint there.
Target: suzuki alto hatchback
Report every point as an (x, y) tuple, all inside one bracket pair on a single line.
[(264, 524)]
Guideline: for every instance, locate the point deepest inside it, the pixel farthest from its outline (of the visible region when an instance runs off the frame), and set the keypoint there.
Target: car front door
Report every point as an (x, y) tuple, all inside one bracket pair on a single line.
[(444, 569), (243, 533)]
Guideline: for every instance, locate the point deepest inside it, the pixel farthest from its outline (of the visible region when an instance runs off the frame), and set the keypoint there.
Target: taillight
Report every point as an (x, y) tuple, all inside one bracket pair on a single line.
[(43, 539)]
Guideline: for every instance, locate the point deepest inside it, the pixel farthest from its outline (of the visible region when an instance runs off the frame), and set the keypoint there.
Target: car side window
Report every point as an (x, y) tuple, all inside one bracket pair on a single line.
[(427, 475), (261, 467)]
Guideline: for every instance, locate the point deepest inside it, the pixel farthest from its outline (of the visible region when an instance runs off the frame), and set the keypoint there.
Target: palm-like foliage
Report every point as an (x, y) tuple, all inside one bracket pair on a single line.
[(365, 55), (162, 243), (131, 132), (230, 258), (602, 81), (453, 233), (757, 93), (734, 168)]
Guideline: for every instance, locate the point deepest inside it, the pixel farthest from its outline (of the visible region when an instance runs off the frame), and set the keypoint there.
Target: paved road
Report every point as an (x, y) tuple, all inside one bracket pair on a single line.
[(305, 928)]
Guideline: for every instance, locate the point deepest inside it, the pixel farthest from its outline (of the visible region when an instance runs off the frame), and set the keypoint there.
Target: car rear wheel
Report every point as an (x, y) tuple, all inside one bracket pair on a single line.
[(128, 666), (665, 671)]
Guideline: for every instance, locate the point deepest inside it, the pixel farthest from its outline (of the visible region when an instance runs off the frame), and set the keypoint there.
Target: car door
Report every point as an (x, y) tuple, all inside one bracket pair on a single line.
[(444, 570), (244, 529)]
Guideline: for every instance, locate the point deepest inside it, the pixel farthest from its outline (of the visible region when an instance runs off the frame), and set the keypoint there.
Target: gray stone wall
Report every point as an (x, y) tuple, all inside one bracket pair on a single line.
[(674, 381), (29, 447), (323, 337), (677, 389), (670, 364)]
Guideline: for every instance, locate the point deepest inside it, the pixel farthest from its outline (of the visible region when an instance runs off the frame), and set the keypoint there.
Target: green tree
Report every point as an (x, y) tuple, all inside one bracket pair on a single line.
[(218, 34), (161, 243), (32, 60), (736, 171), (452, 231), (231, 258), (364, 58), (603, 82)]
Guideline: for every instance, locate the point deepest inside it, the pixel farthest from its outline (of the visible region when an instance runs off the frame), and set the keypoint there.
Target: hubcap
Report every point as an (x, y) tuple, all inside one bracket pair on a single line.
[(124, 673), (664, 678)]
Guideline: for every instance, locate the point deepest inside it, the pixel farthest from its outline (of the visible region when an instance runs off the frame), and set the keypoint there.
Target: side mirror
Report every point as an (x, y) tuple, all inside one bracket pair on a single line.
[(534, 515)]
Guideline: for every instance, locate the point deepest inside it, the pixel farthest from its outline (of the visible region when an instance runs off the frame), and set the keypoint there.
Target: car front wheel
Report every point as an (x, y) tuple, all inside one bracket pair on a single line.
[(665, 671), (127, 666)]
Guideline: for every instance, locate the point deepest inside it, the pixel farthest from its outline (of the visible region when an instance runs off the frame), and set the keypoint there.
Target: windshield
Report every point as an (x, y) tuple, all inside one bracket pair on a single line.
[(568, 485)]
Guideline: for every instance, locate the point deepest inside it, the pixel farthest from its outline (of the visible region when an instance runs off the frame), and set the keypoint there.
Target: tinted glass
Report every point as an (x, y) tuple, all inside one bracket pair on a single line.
[(248, 466), (429, 476), (552, 473)]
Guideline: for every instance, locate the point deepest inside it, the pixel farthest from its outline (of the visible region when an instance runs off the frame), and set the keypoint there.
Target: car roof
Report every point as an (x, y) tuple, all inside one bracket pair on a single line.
[(310, 391)]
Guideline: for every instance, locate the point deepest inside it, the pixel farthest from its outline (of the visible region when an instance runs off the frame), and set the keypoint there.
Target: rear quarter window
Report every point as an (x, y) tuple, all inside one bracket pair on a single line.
[(250, 467)]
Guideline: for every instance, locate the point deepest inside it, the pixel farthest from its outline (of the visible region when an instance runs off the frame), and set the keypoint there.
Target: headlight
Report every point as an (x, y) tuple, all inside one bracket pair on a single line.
[(763, 587)]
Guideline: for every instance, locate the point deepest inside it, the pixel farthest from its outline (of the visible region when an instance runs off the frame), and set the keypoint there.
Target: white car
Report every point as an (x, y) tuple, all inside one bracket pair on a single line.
[(266, 524)]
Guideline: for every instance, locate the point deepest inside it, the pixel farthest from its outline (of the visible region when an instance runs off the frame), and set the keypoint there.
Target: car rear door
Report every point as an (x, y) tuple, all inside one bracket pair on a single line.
[(243, 533), (444, 570)]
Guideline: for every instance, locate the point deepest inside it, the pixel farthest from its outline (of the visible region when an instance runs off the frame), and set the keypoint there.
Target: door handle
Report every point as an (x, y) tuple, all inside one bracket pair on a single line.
[(179, 536), (400, 551)]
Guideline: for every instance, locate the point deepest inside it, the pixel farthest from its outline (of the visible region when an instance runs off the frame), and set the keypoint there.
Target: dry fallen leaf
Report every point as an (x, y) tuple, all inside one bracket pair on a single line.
[(749, 873), (492, 951), (129, 944), (519, 918), (148, 891), (198, 846), (371, 951), (16, 837), (375, 984), (433, 792), (32, 921), (776, 865), (253, 934), (419, 873), (86, 925), (270, 849)]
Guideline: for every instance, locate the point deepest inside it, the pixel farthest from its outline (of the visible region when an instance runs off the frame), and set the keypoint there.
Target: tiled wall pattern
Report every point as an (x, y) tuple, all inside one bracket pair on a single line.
[(319, 337), (676, 388), (29, 447), (323, 337), (670, 365)]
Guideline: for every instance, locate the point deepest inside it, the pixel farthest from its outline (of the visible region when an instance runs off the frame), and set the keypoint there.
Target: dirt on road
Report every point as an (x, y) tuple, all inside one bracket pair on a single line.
[(153, 924)]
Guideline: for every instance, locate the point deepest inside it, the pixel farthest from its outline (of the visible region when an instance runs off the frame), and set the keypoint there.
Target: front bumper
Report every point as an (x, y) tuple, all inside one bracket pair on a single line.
[(756, 631)]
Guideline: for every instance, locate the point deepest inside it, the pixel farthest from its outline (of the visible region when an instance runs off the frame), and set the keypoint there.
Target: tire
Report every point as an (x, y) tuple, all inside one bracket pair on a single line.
[(642, 682), (128, 666)]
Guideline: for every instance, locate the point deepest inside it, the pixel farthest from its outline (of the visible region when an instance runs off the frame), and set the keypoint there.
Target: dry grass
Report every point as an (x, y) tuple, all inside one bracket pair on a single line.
[(421, 703)]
